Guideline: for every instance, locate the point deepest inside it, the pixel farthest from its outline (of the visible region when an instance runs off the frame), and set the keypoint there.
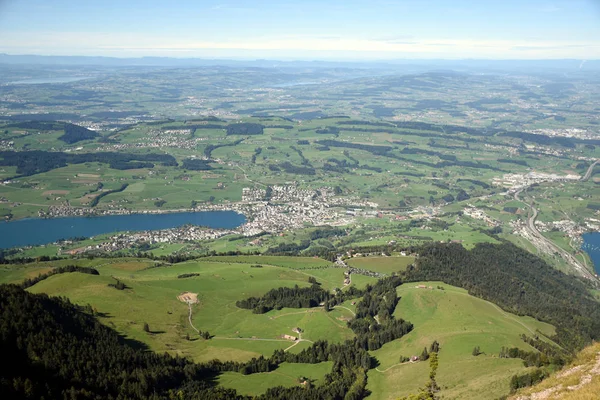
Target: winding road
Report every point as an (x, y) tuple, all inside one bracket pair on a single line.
[(547, 245)]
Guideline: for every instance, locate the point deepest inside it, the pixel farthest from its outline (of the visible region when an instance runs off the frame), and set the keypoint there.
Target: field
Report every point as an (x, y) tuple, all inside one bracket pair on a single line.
[(287, 262), (286, 375), (455, 319), (415, 174), (385, 265), (401, 154), (151, 297), (458, 322)]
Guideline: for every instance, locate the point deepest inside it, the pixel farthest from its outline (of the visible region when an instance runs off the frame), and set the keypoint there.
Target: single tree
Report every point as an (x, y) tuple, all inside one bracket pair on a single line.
[(424, 355), (146, 327), (476, 351)]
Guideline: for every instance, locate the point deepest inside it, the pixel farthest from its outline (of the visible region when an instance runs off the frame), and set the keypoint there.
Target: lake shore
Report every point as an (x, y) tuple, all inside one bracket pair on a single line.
[(38, 231)]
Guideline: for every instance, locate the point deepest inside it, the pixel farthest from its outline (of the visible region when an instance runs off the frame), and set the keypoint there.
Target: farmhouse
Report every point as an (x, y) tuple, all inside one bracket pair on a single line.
[(288, 337)]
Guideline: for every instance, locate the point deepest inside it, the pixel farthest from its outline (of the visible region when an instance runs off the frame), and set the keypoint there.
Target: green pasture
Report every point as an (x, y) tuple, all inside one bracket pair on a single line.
[(279, 261), (458, 322), (385, 265), (151, 297), (286, 374)]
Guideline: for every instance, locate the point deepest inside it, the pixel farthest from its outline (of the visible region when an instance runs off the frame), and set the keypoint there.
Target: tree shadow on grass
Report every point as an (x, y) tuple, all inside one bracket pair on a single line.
[(100, 314), (133, 343)]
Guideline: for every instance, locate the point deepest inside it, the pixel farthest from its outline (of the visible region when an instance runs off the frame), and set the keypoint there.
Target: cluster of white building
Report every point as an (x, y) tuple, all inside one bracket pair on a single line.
[(477, 213), (566, 132), (176, 235), (519, 181)]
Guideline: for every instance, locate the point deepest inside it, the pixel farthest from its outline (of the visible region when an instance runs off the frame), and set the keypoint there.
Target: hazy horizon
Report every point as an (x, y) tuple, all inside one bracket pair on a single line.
[(377, 30)]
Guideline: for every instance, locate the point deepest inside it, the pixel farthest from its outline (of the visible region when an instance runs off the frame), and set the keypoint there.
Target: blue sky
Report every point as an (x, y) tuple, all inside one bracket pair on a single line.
[(309, 29)]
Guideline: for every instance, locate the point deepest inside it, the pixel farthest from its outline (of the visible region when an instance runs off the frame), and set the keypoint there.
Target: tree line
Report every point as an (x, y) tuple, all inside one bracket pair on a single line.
[(295, 297), (517, 281), (97, 199), (75, 133), (38, 161), (56, 271)]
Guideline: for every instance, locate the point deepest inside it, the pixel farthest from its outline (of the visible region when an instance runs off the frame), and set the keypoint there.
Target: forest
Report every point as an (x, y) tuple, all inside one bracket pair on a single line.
[(97, 199), (517, 281), (195, 164), (72, 133), (245, 128), (295, 297), (59, 270), (38, 161), (76, 133)]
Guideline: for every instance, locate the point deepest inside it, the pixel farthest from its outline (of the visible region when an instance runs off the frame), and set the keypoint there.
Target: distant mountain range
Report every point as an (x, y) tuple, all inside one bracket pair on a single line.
[(513, 65)]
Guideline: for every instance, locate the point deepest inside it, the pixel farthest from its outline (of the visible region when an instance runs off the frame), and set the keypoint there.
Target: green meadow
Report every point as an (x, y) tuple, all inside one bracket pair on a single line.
[(450, 315), (459, 322), (286, 375), (385, 265)]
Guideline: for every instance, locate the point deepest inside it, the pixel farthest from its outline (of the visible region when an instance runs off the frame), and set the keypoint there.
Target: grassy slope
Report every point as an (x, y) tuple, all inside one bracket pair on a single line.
[(286, 375), (458, 322), (152, 298), (287, 262), (572, 376), (385, 265)]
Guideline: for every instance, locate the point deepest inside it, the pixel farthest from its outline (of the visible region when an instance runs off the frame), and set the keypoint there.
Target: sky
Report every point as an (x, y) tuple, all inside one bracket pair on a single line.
[(304, 30)]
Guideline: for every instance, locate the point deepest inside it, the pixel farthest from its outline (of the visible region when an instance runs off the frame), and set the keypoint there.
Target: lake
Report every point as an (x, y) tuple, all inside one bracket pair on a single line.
[(36, 231), (591, 245)]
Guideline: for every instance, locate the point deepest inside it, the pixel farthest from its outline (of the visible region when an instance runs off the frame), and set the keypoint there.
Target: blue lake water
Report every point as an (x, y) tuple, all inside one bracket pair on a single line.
[(591, 245), (36, 231)]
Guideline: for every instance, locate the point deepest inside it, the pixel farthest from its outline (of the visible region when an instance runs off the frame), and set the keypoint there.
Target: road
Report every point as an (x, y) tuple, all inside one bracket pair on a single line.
[(588, 173), (266, 340), (548, 246), (246, 176), (190, 318)]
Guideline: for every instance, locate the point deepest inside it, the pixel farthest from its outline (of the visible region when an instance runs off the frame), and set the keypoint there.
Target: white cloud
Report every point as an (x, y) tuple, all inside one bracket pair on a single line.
[(118, 44)]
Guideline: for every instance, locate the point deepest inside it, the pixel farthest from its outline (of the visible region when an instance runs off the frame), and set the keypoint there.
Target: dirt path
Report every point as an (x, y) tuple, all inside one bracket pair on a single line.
[(295, 343), (241, 338), (189, 298), (190, 319), (392, 366), (264, 340), (346, 308), (248, 179), (310, 310)]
